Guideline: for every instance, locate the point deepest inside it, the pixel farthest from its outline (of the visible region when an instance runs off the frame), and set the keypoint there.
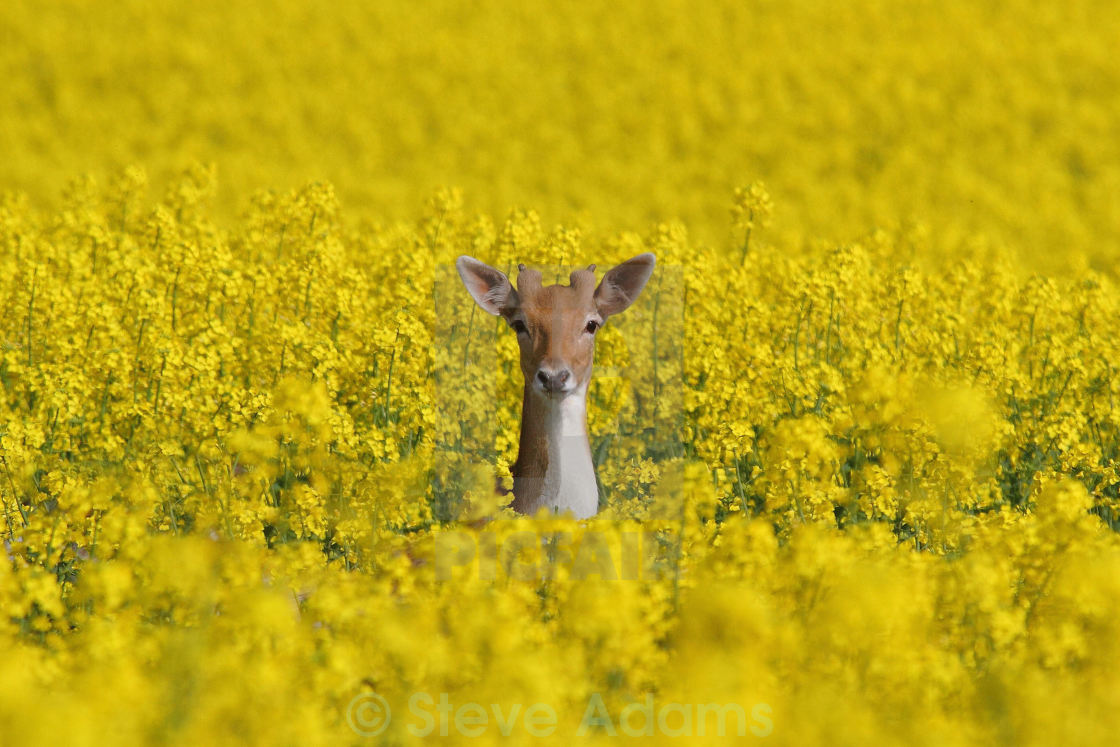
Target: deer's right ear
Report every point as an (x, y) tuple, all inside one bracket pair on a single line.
[(489, 288)]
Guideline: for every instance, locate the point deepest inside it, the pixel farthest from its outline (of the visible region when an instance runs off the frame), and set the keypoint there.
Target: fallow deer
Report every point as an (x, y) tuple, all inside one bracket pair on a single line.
[(555, 327)]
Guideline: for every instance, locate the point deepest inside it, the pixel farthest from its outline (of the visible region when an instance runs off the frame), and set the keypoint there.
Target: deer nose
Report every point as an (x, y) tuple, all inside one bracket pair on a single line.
[(553, 381)]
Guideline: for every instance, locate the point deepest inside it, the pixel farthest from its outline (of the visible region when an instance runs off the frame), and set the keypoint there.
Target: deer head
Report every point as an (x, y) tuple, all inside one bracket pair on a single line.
[(555, 327)]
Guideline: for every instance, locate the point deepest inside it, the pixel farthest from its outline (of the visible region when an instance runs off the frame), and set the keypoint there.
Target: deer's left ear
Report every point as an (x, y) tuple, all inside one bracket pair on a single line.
[(622, 284)]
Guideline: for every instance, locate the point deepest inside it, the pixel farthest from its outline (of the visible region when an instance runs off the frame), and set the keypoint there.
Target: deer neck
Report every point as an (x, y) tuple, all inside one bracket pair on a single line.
[(554, 468)]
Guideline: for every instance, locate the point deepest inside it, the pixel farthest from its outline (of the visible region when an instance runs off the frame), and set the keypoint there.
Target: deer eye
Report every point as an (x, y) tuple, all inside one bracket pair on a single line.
[(519, 327), (592, 326)]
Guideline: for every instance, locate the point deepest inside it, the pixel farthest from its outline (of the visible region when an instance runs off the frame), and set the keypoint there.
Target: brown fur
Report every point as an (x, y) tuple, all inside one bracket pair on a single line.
[(556, 316), (556, 339)]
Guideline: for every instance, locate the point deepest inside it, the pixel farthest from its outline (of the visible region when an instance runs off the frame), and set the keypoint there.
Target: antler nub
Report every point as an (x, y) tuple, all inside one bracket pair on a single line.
[(528, 280), (583, 281)]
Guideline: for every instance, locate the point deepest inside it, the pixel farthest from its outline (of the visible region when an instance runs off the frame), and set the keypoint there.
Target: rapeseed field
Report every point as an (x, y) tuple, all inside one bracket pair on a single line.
[(856, 443)]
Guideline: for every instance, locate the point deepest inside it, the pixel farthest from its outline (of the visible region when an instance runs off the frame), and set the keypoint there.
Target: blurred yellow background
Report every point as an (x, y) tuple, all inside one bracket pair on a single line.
[(990, 117)]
